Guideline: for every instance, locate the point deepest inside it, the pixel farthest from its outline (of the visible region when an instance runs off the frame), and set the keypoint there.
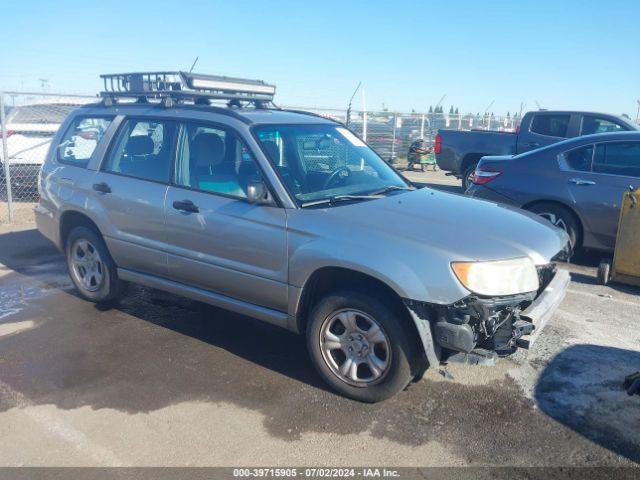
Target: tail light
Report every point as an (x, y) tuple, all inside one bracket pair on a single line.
[(437, 146), (482, 176), (9, 133), (517, 129)]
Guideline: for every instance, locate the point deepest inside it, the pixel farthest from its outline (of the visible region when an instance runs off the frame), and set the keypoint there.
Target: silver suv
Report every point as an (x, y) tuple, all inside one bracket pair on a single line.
[(292, 219)]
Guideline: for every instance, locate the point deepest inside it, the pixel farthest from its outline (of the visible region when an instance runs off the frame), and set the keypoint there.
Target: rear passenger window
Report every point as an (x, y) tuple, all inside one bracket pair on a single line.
[(578, 159), (143, 150), (618, 158), (591, 124), (550, 125), (81, 139)]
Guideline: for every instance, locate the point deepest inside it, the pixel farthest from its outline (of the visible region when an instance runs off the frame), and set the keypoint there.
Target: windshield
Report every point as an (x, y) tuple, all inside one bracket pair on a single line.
[(325, 161)]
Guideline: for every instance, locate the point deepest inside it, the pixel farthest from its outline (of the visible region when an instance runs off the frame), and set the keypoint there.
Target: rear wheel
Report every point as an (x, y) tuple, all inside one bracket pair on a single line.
[(562, 218), (360, 346), (92, 270), (468, 175)]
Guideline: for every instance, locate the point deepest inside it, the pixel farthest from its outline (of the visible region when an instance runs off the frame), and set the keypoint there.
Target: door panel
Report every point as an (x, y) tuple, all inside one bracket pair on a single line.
[(133, 212), (598, 193), (544, 129), (130, 191), (229, 247)]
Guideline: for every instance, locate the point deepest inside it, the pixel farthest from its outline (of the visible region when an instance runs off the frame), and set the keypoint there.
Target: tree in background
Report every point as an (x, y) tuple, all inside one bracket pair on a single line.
[(430, 109)]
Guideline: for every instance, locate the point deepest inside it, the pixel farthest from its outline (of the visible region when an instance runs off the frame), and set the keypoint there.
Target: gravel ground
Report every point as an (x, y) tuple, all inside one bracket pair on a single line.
[(161, 380)]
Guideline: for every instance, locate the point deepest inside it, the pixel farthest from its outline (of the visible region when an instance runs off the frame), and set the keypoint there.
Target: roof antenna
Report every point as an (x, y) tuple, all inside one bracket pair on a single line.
[(193, 64), (351, 100)]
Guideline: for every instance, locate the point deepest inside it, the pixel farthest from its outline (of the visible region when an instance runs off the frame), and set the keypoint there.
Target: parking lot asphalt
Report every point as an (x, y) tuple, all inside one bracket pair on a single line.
[(162, 380)]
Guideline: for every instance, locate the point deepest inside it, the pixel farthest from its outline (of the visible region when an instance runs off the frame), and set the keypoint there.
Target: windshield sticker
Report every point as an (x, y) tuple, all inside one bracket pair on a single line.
[(355, 141)]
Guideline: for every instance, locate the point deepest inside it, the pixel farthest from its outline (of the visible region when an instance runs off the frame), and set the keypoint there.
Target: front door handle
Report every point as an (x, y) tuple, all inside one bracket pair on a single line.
[(533, 144), (185, 206), (580, 181), (102, 187)]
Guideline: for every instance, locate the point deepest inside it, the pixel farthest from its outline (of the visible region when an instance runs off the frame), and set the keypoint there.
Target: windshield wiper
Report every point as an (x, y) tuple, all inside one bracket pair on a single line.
[(338, 199), (390, 188)]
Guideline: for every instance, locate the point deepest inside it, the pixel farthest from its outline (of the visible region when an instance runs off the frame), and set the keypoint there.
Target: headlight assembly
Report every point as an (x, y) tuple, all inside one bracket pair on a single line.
[(497, 278)]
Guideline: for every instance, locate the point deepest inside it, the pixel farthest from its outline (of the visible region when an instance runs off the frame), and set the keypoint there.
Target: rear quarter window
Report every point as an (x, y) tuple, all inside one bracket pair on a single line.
[(550, 125), (81, 139)]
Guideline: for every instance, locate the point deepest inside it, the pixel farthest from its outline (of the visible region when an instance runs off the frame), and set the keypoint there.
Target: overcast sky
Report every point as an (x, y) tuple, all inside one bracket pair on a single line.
[(561, 54)]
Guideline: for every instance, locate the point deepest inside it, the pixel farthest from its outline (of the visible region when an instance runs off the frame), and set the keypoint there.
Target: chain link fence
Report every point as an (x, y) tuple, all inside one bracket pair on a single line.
[(390, 134), (30, 120)]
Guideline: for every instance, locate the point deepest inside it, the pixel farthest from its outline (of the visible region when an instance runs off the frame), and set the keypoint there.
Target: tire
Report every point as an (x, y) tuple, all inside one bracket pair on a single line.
[(563, 218), (466, 175), (604, 272), (100, 282), (397, 354)]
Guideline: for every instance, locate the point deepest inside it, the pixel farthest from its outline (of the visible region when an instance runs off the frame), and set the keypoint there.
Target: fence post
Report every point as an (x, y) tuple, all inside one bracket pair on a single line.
[(364, 116), (5, 157), (393, 140)]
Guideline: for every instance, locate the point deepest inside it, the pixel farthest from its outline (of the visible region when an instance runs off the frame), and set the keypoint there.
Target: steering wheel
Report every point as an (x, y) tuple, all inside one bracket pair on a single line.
[(341, 174)]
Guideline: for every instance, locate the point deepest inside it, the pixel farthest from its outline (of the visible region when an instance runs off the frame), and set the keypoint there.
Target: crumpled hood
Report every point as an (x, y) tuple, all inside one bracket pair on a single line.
[(461, 227)]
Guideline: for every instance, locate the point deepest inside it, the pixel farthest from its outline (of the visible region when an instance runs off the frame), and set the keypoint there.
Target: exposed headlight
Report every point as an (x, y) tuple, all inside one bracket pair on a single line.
[(501, 277)]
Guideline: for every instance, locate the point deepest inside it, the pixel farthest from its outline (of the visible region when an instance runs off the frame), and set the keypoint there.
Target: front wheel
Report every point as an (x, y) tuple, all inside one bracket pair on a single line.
[(360, 346)]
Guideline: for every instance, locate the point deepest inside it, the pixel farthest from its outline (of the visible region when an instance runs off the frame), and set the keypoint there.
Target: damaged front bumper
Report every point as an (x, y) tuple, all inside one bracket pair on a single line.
[(544, 306), (481, 327)]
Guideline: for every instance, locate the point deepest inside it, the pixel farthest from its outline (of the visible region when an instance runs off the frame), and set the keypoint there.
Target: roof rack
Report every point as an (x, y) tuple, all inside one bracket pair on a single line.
[(185, 86)]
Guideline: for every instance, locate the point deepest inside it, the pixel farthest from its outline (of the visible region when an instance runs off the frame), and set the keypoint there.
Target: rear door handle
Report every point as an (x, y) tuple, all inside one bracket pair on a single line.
[(185, 206), (102, 187), (580, 181)]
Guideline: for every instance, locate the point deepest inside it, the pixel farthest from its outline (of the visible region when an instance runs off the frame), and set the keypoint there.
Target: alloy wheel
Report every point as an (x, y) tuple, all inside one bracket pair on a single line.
[(87, 266), (355, 347)]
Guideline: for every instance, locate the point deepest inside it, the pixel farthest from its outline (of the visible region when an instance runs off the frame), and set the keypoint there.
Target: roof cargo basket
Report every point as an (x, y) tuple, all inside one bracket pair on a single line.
[(184, 86)]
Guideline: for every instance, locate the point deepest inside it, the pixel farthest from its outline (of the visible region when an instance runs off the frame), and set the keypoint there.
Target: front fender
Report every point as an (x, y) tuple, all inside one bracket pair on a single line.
[(423, 279)]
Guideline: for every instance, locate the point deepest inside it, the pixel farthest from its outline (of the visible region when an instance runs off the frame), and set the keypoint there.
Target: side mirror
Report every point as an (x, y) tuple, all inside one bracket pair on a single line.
[(258, 193)]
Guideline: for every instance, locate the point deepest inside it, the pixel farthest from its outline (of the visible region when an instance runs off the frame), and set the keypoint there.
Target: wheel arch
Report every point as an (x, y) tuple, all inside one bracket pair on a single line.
[(558, 203), (469, 159), (328, 278), (71, 219)]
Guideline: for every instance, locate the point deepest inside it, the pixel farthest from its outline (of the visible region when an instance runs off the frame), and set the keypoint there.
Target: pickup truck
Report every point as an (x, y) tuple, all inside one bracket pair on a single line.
[(459, 151)]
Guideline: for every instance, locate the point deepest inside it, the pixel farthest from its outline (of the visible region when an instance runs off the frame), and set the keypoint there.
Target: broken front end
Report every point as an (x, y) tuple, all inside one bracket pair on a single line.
[(477, 329)]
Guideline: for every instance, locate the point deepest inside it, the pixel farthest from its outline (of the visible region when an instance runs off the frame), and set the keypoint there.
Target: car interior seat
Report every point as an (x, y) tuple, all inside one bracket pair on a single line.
[(209, 167)]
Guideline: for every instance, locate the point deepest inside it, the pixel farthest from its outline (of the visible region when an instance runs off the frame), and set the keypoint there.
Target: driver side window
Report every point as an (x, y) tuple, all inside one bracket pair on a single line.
[(213, 159)]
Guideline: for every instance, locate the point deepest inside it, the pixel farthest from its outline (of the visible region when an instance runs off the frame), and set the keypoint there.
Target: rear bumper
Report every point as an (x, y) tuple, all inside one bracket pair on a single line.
[(485, 193), (544, 306), (46, 224)]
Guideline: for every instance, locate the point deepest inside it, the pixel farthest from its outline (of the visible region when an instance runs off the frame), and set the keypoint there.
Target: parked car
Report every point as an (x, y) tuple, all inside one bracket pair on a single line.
[(459, 151), (292, 219), (576, 184), (30, 129)]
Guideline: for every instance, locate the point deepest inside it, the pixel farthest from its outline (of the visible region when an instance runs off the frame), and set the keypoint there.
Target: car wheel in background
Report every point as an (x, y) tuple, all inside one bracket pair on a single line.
[(560, 217), (468, 175), (92, 270), (604, 271), (360, 346)]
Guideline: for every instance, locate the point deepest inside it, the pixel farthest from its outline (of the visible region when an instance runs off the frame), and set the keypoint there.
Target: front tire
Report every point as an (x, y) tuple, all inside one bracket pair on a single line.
[(360, 346), (91, 268)]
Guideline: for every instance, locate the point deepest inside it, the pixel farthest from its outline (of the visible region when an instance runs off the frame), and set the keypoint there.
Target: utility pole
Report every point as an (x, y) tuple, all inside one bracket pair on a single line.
[(44, 83), (350, 101)]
